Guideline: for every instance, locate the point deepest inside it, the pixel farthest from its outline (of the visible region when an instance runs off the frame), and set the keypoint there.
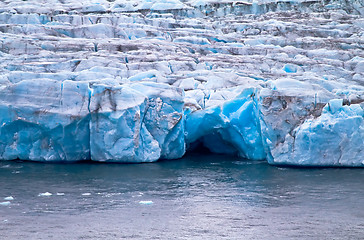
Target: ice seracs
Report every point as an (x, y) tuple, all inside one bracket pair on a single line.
[(142, 80)]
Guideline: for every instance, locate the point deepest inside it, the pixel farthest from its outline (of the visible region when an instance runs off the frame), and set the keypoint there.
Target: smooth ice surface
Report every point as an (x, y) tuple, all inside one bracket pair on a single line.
[(142, 80)]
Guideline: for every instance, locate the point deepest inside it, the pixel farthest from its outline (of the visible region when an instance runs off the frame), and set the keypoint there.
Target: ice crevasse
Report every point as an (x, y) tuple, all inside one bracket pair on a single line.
[(143, 80)]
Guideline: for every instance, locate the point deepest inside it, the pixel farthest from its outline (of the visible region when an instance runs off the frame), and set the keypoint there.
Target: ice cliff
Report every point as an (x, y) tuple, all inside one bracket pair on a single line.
[(142, 80)]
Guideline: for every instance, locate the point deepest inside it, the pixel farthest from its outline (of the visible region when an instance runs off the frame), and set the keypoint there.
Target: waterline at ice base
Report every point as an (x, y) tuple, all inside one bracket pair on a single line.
[(140, 81)]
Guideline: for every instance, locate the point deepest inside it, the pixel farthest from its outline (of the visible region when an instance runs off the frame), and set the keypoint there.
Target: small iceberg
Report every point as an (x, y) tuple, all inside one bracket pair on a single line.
[(146, 202), (10, 198), (46, 194), (7, 203)]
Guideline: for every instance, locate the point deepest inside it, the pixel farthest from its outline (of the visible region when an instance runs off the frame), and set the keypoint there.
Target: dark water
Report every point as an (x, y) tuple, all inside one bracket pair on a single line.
[(198, 197)]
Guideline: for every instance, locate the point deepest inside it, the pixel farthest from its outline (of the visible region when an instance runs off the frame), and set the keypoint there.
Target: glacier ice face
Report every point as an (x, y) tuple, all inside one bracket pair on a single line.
[(164, 117), (44, 120), (314, 128), (139, 123), (117, 131), (333, 139), (336, 136), (70, 121), (142, 80)]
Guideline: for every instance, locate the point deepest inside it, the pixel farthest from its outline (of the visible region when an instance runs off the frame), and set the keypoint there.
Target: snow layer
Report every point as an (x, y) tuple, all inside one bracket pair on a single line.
[(142, 80)]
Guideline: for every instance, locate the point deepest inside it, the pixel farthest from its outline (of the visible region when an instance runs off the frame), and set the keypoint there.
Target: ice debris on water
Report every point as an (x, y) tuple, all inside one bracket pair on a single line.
[(10, 198), (7, 203), (138, 81), (146, 202), (46, 194), (86, 194)]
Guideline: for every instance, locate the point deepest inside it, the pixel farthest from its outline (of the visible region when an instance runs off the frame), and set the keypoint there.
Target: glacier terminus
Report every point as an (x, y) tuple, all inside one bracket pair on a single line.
[(143, 80)]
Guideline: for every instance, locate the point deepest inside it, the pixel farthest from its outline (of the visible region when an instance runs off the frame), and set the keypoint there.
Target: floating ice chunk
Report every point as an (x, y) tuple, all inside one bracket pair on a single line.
[(46, 194), (138, 195), (60, 194), (86, 194), (146, 202), (10, 198), (7, 203)]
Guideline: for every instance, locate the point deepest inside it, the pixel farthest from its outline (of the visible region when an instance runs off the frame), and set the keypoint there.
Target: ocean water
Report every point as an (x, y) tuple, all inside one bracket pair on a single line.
[(197, 197)]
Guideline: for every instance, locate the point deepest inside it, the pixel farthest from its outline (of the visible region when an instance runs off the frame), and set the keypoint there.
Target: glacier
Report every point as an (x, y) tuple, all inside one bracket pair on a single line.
[(143, 80)]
